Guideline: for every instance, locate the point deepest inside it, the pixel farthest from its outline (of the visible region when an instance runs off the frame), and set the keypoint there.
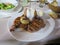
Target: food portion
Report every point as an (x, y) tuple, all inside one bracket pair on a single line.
[(53, 15), (6, 6), (54, 3), (26, 24), (36, 24), (54, 6)]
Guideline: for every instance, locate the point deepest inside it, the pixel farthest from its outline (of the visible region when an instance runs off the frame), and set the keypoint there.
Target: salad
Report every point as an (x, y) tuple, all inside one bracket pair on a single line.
[(6, 6)]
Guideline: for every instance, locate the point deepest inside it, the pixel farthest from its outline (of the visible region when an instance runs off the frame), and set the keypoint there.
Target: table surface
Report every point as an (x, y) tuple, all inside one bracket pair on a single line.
[(8, 40)]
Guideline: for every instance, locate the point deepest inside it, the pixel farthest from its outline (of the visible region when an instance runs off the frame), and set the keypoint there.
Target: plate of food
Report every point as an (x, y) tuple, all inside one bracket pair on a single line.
[(9, 6), (54, 5), (23, 29)]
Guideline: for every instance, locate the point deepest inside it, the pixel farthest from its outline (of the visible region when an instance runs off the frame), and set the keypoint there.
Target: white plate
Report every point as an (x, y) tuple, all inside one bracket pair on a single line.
[(29, 37)]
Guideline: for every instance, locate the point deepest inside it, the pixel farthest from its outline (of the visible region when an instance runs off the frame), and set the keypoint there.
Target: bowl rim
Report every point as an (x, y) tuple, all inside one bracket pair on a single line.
[(7, 15)]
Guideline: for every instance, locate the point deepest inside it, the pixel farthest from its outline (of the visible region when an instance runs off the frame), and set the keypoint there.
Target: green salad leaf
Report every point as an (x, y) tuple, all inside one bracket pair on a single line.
[(6, 6)]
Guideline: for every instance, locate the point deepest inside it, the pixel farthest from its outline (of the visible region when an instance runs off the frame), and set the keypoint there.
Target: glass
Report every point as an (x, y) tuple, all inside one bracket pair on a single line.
[(42, 2), (24, 2)]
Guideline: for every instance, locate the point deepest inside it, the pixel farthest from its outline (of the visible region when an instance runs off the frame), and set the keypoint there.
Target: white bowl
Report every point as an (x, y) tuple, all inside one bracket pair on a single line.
[(14, 2), (4, 15)]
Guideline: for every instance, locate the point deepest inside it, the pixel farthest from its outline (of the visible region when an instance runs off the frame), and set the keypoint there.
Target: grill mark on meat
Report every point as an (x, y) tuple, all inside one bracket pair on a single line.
[(29, 29), (33, 26)]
